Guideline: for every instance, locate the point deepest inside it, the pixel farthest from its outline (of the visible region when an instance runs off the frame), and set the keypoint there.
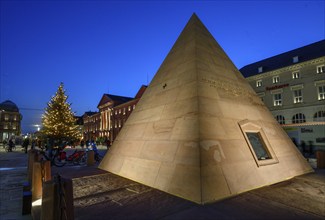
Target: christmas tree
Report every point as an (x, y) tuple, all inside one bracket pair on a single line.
[(59, 123)]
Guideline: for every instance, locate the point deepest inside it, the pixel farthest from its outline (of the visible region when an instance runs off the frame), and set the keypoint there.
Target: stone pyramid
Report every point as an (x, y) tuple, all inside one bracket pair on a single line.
[(199, 131)]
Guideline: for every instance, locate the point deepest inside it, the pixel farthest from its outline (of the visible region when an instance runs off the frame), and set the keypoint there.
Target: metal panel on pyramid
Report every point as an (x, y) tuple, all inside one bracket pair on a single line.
[(199, 131)]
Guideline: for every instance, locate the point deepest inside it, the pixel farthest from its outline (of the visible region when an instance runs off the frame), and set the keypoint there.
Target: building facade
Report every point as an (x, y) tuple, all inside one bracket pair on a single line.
[(10, 120), (292, 86), (91, 125), (114, 111)]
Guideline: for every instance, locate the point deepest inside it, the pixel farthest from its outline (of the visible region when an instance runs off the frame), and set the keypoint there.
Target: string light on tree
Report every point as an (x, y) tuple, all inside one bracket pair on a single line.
[(58, 120)]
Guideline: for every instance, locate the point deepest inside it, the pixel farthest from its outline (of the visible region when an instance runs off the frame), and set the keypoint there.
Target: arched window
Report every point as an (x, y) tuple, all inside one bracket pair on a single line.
[(319, 116), (280, 119), (298, 118)]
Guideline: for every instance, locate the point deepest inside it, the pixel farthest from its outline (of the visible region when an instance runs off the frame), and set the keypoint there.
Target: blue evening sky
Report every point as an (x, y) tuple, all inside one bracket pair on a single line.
[(97, 47)]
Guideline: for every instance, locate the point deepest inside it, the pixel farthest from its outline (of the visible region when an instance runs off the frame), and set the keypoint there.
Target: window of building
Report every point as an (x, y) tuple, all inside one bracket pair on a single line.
[(6, 117), (119, 123), (319, 116), (258, 83), (129, 108), (298, 118), (120, 111), (115, 124), (295, 75), (258, 143), (276, 79), (133, 106), (115, 112), (277, 99), (260, 69), (321, 92), (295, 59), (123, 111), (297, 96), (320, 69), (280, 119)]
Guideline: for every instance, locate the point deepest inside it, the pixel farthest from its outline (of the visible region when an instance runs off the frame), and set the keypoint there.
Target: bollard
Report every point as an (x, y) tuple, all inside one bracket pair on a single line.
[(90, 158), (27, 199), (320, 156), (57, 202), (32, 157), (41, 173), (27, 203)]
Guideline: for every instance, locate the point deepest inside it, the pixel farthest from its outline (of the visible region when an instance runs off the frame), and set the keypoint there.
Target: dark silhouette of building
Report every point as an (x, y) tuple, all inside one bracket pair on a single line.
[(10, 120)]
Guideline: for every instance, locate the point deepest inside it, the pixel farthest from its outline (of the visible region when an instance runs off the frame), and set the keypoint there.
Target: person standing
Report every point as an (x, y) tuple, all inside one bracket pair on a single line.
[(25, 144)]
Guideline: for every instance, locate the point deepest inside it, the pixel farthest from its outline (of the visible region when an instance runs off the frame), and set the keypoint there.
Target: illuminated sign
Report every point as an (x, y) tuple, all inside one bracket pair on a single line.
[(277, 87)]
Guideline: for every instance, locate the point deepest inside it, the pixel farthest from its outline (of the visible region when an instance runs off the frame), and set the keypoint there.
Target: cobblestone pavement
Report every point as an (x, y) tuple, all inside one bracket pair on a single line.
[(102, 195), (13, 173)]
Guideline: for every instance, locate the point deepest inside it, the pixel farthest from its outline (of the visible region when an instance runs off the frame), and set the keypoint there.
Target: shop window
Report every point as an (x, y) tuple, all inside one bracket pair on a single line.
[(280, 119), (258, 143), (298, 118)]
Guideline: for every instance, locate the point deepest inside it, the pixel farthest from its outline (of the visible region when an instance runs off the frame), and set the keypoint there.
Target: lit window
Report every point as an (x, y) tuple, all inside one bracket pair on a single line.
[(320, 69), (295, 59), (319, 116), (115, 112), (321, 92), (280, 119), (119, 111), (276, 79), (260, 69), (277, 99), (295, 75), (133, 106), (115, 124), (258, 83), (119, 123), (129, 108), (297, 96), (298, 118), (123, 111), (6, 117)]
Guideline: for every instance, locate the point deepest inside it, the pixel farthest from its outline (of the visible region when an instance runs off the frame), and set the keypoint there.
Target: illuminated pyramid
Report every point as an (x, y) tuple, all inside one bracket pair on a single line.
[(199, 131)]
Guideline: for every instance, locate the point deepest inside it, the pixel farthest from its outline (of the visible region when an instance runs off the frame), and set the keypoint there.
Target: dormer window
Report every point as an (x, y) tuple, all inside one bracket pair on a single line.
[(260, 69), (295, 59)]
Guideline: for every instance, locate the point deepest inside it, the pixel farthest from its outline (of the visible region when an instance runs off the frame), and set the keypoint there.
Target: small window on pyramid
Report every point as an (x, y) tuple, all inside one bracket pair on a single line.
[(258, 146), (258, 143)]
